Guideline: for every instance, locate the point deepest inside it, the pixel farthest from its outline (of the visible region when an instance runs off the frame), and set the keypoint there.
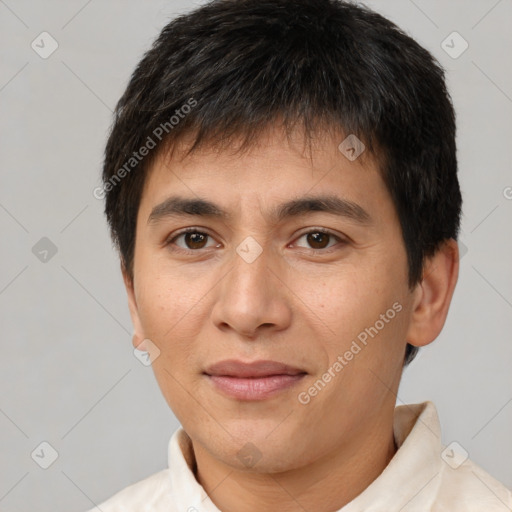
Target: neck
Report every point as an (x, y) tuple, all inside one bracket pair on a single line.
[(325, 485)]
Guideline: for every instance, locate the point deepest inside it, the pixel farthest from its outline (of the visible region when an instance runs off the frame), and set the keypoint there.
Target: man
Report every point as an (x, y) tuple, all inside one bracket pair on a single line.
[(281, 183)]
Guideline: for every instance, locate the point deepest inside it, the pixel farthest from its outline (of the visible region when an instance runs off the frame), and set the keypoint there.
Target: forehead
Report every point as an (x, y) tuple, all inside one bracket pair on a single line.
[(273, 168)]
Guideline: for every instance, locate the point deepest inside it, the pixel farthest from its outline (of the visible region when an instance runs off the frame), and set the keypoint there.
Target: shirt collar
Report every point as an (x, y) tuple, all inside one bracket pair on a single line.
[(411, 479), (188, 494), (409, 482)]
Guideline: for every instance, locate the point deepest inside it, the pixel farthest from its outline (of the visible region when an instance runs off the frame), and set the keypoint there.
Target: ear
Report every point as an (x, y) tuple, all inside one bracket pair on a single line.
[(434, 294), (138, 334)]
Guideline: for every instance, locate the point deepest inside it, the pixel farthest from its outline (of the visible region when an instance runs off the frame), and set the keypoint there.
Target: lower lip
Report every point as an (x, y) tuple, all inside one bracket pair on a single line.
[(259, 388)]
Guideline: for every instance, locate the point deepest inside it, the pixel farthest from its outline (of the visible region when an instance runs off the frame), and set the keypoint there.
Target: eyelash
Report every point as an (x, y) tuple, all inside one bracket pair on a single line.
[(184, 231)]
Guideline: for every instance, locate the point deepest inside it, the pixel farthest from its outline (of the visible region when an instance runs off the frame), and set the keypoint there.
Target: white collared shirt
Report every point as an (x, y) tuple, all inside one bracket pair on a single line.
[(422, 476)]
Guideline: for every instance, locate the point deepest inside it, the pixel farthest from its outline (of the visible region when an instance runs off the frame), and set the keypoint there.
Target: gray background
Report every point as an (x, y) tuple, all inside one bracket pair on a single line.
[(69, 376)]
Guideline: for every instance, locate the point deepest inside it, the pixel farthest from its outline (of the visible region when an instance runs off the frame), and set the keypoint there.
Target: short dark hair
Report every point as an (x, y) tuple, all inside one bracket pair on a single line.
[(232, 68)]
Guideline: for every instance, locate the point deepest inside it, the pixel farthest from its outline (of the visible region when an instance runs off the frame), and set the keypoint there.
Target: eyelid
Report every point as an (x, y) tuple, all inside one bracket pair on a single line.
[(318, 229), (196, 229), (191, 229), (340, 238)]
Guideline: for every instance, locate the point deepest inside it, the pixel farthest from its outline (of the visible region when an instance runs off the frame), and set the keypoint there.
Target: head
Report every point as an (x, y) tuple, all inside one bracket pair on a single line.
[(260, 118)]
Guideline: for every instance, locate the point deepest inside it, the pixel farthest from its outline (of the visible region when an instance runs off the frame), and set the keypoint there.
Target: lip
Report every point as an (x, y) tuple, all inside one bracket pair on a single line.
[(257, 380)]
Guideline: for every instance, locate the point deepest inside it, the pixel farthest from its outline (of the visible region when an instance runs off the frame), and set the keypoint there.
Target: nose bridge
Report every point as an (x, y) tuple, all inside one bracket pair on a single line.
[(250, 275), (251, 295)]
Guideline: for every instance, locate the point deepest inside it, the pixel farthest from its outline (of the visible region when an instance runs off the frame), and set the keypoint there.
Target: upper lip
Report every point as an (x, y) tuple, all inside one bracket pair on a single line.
[(234, 368)]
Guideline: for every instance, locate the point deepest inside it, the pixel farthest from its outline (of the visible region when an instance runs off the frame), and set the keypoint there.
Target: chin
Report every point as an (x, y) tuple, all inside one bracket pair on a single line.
[(260, 453), (265, 461)]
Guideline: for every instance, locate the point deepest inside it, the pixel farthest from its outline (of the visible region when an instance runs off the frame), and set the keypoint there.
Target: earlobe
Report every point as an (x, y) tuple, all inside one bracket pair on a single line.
[(433, 295), (138, 334)]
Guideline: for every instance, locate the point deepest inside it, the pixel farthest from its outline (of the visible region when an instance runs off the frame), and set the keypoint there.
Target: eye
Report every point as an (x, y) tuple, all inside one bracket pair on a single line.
[(192, 238), (319, 239)]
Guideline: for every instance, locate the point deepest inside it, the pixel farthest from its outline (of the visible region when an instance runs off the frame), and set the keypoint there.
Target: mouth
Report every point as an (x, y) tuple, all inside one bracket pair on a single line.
[(258, 380)]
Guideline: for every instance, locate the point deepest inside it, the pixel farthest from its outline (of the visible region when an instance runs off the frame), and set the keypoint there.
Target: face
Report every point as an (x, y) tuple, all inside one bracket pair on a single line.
[(279, 322)]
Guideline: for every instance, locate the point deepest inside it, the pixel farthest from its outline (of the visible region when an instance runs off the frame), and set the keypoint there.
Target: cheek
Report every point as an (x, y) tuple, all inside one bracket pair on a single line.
[(170, 309), (349, 300), (366, 313), (170, 312)]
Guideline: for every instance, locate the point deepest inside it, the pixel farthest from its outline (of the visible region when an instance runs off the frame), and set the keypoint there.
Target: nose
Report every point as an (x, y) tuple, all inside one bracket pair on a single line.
[(253, 296)]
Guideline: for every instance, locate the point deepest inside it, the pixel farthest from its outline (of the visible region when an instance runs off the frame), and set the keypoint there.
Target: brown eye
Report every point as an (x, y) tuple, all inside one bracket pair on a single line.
[(319, 239), (190, 240), (195, 240)]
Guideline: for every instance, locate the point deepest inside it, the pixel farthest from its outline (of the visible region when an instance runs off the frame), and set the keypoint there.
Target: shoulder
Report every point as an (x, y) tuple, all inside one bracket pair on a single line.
[(141, 496), (468, 488)]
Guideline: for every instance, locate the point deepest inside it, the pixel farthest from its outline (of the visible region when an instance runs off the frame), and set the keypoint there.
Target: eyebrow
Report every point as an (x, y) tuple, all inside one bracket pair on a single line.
[(177, 206)]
